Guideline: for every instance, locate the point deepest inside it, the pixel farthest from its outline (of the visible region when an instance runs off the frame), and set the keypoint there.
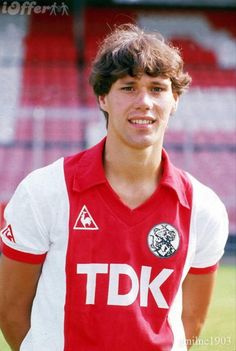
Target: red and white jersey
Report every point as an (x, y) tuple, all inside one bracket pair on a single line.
[(112, 276)]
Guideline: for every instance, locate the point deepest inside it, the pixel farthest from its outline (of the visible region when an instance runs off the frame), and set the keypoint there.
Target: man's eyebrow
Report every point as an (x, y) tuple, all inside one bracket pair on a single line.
[(126, 81), (160, 82), (156, 82)]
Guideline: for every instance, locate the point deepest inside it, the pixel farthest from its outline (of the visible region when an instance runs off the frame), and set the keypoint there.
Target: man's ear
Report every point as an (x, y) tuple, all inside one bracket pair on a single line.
[(102, 102), (175, 104)]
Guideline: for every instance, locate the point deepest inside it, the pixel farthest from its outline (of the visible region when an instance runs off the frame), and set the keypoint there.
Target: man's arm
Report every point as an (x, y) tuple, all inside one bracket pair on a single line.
[(197, 292), (18, 283)]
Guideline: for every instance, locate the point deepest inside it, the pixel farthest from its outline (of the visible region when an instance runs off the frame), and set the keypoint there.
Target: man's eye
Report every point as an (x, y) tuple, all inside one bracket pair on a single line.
[(157, 89), (127, 88)]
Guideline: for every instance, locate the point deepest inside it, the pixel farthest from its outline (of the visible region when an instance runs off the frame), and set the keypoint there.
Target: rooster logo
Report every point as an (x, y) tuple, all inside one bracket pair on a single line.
[(85, 221)]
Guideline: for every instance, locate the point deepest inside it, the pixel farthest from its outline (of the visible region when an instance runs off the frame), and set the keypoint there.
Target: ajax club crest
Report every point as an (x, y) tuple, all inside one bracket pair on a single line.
[(163, 240)]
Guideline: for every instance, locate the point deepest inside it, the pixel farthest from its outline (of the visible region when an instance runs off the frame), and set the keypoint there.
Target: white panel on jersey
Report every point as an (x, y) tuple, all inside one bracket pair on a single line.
[(51, 287), (197, 28)]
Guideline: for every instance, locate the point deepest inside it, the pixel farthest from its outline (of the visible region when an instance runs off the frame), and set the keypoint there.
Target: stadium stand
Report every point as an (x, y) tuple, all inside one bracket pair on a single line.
[(45, 118), (56, 112), (11, 55), (97, 23)]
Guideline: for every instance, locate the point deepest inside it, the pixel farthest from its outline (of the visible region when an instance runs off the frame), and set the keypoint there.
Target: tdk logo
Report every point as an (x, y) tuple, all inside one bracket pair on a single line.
[(141, 285)]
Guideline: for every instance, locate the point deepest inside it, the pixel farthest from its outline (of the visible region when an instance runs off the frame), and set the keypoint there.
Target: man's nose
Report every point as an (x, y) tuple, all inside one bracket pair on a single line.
[(144, 100)]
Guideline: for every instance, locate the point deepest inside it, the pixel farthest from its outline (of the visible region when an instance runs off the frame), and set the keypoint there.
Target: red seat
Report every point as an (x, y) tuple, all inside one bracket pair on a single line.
[(193, 53)]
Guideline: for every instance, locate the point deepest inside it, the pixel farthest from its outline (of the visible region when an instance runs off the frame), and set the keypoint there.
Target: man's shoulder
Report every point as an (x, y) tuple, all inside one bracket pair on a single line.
[(42, 182), (205, 199), (47, 172), (87, 155), (41, 188), (53, 175), (50, 176), (201, 189)]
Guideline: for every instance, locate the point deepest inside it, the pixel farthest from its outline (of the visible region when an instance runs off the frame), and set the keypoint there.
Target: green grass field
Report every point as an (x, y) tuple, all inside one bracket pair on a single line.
[(219, 330)]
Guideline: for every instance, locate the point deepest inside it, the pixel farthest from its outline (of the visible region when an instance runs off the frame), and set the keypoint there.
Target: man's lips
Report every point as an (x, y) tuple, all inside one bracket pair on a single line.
[(142, 120)]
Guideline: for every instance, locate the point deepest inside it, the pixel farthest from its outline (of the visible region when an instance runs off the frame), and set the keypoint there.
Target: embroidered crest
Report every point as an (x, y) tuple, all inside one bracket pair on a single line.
[(85, 221), (163, 240), (8, 233)]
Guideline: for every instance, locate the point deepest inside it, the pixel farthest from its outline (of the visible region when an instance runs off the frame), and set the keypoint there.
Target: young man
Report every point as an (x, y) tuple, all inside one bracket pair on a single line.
[(114, 248)]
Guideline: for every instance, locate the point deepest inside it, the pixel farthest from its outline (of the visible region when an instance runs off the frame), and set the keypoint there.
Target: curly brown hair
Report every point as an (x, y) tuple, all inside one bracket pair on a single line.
[(129, 50)]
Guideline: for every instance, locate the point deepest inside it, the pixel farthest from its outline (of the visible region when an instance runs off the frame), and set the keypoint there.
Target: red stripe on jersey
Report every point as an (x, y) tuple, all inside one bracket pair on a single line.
[(22, 256), (204, 270)]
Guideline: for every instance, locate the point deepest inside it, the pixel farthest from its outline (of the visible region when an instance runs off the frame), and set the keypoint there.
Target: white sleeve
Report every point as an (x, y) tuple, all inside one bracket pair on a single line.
[(209, 224), (23, 217), (32, 213)]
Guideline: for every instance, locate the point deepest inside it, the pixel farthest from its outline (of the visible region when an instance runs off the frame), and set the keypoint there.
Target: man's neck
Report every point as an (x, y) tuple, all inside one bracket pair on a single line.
[(134, 174)]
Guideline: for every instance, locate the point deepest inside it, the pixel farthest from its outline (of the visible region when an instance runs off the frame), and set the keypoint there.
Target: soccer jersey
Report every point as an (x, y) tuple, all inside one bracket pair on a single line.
[(111, 275)]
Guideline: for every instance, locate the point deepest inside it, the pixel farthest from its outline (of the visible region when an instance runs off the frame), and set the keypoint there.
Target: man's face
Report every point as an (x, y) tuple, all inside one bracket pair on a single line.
[(139, 110)]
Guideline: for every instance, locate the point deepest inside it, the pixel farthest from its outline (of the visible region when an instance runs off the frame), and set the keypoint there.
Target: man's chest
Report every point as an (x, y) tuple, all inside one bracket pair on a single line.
[(116, 254)]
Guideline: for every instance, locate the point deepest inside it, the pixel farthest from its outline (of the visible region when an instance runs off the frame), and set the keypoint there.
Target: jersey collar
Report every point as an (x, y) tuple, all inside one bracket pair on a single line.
[(90, 173), (175, 178)]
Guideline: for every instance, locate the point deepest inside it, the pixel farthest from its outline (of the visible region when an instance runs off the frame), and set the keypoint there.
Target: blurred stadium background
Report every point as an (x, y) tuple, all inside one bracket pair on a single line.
[(48, 109)]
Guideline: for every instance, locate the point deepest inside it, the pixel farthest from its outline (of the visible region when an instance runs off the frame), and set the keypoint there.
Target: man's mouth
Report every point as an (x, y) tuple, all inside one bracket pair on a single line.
[(142, 121)]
